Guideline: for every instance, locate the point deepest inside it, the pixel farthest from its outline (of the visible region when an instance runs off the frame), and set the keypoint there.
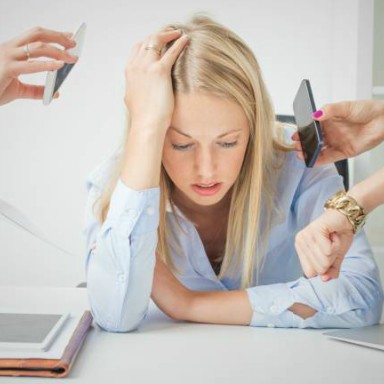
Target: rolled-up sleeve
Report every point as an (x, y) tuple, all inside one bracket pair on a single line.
[(121, 256), (354, 299)]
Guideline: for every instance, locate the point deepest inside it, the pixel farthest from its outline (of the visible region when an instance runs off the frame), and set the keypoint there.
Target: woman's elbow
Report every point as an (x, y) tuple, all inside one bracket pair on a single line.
[(363, 317), (125, 325)]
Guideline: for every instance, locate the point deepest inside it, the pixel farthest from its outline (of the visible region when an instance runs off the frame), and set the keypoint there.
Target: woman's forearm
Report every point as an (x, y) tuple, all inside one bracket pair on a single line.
[(230, 307), (214, 307), (220, 307), (369, 193), (142, 158)]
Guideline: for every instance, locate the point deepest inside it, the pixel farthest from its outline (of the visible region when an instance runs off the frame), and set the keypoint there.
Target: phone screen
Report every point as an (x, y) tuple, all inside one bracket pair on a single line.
[(61, 75), (56, 78), (309, 130)]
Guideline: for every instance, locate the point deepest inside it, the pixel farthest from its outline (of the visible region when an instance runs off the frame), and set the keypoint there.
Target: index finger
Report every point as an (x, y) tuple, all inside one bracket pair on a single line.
[(340, 110), (46, 36), (173, 52), (333, 272)]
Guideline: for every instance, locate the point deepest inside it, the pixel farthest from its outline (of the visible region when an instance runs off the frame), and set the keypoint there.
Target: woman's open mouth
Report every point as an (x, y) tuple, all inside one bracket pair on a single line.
[(207, 189)]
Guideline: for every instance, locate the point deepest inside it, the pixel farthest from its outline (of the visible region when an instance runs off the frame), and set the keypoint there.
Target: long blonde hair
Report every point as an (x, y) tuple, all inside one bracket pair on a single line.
[(216, 61)]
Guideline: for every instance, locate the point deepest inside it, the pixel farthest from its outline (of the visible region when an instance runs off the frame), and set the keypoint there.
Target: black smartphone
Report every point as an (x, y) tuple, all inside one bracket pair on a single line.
[(309, 130)]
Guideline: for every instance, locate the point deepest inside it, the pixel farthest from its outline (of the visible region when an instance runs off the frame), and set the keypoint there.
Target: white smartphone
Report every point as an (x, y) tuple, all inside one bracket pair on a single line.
[(30, 331), (56, 78)]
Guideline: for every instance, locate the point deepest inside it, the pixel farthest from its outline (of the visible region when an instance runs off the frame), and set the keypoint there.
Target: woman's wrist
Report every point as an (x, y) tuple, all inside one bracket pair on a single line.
[(142, 158), (147, 130), (358, 194), (335, 221)]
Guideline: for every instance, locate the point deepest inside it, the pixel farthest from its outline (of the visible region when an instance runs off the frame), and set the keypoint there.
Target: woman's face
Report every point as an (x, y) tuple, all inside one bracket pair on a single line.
[(204, 147)]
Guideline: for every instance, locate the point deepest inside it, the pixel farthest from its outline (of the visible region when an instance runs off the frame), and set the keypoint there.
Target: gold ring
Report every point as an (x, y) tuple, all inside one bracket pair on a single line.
[(27, 51), (153, 48)]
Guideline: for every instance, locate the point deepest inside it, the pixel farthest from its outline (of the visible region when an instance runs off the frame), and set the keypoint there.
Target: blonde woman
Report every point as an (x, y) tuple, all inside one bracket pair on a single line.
[(201, 208)]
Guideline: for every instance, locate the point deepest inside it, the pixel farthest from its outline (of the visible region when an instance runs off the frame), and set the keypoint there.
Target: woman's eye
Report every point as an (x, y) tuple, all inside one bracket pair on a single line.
[(181, 147), (229, 144)]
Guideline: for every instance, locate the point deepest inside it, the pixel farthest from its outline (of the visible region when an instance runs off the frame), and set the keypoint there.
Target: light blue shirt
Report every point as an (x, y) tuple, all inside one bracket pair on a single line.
[(121, 257)]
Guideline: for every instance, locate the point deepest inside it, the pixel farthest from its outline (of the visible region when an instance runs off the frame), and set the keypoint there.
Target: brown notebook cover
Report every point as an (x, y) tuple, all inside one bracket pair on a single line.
[(50, 367)]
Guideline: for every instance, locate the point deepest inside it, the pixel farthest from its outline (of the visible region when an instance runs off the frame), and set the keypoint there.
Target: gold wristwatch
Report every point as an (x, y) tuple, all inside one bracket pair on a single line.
[(349, 207)]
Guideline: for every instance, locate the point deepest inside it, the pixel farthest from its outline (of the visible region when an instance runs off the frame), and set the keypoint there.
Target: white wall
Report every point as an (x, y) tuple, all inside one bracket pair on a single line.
[(46, 152)]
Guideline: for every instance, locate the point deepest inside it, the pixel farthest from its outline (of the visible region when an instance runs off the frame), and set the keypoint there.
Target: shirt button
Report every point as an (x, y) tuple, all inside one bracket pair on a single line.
[(273, 309), (270, 325), (121, 277), (150, 210), (330, 310)]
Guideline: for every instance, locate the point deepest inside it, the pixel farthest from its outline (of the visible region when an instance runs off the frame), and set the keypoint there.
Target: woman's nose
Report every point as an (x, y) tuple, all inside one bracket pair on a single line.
[(205, 164)]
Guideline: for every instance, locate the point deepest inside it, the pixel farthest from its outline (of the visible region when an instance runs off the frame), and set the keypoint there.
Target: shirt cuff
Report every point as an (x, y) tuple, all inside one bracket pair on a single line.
[(270, 305), (133, 212)]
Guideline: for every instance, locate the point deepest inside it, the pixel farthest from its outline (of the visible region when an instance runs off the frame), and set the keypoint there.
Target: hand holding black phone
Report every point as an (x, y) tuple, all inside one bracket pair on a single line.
[(309, 130)]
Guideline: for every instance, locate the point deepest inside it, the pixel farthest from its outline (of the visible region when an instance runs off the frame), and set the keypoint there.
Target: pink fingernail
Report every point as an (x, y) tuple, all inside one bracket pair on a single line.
[(317, 114)]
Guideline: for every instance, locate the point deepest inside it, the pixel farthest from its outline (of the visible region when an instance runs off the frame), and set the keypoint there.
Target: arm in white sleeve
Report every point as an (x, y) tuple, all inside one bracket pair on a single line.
[(121, 257), (354, 299)]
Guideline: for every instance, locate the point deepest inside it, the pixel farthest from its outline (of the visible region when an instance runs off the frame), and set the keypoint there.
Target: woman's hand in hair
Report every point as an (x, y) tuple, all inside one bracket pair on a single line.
[(18, 57), (349, 128), (149, 94)]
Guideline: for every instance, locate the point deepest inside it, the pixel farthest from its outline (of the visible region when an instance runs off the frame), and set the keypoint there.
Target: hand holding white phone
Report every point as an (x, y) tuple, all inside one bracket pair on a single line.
[(56, 78)]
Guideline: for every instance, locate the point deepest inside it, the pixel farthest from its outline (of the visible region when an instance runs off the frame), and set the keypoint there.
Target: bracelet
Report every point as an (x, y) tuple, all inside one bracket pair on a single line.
[(349, 207)]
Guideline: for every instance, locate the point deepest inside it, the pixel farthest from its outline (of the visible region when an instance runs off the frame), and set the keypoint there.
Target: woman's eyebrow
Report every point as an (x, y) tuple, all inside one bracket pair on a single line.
[(219, 137), (181, 132), (228, 133)]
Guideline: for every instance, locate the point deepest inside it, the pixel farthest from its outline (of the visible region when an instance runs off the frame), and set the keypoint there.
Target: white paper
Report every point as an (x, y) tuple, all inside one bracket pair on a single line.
[(18, 218)]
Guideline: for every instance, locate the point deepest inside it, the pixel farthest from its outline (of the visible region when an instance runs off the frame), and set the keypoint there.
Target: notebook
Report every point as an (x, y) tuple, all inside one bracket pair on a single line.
[(372, 337)]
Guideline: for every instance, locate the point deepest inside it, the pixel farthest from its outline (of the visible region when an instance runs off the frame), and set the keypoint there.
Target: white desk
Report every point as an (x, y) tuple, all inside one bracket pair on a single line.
[(163, 351)]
